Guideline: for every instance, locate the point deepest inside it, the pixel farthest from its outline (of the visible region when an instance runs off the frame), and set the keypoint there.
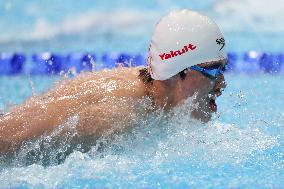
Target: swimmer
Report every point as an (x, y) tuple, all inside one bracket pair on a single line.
[(187, 58)]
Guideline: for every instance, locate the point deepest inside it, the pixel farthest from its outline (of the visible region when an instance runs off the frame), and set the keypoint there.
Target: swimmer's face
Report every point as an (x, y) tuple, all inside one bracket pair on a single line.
[(206, 90)]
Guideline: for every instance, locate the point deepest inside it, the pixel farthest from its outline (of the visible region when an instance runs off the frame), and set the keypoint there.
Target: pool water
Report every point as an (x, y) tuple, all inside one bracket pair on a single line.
[(241, 147)]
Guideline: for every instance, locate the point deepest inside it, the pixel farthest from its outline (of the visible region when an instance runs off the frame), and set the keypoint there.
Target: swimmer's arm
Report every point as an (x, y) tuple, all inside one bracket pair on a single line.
[(30, 120), (39, 115)]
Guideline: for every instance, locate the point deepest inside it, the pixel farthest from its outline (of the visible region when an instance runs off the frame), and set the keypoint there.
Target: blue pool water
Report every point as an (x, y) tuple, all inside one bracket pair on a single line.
[(242, 147)]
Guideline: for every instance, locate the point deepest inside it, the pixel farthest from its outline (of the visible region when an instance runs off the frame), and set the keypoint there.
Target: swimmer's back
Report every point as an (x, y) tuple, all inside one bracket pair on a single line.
[(85, 95)]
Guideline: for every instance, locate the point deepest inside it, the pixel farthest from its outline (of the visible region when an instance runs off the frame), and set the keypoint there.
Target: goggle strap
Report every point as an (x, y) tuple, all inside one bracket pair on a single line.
[(197, 68), (213, 72)]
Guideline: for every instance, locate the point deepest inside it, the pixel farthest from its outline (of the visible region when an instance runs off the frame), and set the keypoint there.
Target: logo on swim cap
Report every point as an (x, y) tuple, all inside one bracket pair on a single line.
[(172, 54), (221, 41)]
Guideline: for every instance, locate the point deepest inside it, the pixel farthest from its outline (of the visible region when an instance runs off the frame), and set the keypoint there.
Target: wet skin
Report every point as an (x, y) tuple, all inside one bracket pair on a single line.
[(100, 99)]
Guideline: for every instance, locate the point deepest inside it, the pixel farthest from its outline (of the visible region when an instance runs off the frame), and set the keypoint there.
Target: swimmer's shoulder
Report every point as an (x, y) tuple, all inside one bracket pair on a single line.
[(132, 72)]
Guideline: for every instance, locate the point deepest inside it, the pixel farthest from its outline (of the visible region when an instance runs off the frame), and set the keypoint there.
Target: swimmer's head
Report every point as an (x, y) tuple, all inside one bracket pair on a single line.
[(183, 39)]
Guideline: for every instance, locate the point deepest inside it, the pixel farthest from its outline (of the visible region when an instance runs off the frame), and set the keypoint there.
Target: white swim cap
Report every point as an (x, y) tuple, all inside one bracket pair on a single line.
[(182, 39)]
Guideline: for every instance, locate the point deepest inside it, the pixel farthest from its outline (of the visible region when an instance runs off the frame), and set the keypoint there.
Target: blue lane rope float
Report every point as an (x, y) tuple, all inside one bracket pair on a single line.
[(11, 63), (79, 62), (53, 63), (250, 62), (232, 61), (5, 63), (270, 63), (111, 60), (46, 63)]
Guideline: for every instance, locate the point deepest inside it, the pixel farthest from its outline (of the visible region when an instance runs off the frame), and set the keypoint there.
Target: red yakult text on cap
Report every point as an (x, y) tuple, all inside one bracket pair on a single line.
[(172, 54)]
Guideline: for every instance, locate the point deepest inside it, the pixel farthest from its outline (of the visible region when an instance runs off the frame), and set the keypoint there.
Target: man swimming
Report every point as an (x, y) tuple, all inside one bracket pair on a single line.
[(186, 58)]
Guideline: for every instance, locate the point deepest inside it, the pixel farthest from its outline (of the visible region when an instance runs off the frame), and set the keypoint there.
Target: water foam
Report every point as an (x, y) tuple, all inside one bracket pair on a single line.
[(160, 145)]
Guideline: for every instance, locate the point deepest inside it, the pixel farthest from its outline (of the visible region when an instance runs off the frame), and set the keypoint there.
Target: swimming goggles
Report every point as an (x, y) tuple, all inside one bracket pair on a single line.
[(212, 73)]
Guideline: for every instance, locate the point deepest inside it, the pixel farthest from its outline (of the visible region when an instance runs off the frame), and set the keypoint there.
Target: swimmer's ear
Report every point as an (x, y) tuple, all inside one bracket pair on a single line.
[(145, 75), (183, 73)]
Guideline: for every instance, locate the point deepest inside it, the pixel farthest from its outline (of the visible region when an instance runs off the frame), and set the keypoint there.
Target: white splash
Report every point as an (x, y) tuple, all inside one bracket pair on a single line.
[(160, 142)]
